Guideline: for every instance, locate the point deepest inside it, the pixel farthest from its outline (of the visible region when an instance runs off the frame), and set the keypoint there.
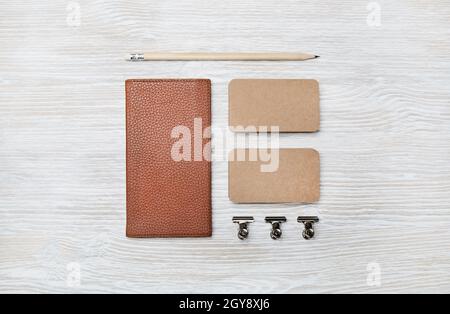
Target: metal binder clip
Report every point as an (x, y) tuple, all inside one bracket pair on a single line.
[(243, 222), (309, 222), (276, 221)]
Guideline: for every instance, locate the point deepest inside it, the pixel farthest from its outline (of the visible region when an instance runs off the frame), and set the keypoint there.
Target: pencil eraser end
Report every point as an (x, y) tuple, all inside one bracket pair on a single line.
[(135, 57)]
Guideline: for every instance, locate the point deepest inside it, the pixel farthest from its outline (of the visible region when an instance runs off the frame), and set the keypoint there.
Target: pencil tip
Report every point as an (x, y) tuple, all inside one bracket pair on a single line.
[(316, 57)]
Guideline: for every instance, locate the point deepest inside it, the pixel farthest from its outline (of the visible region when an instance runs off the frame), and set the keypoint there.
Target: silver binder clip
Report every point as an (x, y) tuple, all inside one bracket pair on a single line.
[(308, 221), (243, 222), (276, 221)]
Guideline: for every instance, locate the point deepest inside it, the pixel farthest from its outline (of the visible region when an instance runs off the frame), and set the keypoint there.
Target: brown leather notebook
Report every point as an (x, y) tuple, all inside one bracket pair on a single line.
[(168, 180)]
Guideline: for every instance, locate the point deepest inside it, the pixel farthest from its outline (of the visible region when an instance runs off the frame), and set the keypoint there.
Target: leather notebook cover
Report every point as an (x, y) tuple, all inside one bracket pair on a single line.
[(291, 104), (165, 197), (294, 176)]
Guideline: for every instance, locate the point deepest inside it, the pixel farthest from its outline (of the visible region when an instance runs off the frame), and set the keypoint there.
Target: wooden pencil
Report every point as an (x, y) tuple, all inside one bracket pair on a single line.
[(222, 56)]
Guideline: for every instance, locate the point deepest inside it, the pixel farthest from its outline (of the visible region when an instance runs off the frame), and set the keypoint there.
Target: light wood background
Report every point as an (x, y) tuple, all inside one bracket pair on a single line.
[(384, 144)]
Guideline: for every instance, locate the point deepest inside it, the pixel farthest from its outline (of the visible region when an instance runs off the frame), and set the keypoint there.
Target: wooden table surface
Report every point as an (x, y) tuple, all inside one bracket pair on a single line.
[(384, 75)]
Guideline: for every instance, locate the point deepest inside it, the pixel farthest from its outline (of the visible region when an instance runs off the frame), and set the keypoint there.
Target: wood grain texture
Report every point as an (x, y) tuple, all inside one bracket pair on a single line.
[(384, 144)]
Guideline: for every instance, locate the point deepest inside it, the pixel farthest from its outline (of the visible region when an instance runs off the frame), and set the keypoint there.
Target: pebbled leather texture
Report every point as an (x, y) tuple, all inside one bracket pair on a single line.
[(166, 198)]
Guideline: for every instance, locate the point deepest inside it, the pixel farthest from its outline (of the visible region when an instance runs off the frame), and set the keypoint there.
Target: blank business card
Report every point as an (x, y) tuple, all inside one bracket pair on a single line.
[(291, 104), (290, 175)]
